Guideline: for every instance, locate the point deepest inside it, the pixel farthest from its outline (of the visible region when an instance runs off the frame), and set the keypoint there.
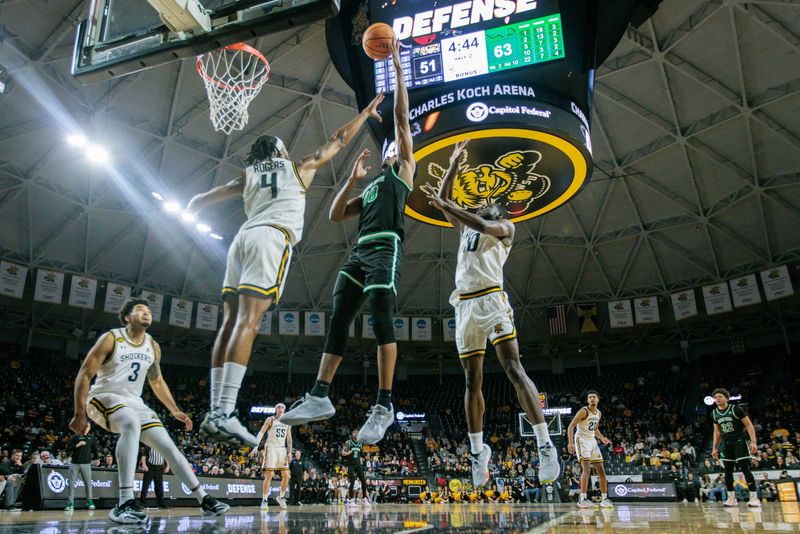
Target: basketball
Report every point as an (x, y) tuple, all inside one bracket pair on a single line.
[(377, 40)]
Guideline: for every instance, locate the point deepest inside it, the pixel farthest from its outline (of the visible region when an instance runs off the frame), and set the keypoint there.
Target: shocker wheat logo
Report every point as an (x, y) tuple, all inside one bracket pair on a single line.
[(510, 179)]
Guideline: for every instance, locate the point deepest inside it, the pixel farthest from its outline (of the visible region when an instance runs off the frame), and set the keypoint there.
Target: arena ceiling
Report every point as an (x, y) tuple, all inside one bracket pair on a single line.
[(696, 134)]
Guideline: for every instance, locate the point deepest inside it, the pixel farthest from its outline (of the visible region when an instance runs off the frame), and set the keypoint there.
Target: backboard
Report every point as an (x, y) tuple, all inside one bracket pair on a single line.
[(124, 36)]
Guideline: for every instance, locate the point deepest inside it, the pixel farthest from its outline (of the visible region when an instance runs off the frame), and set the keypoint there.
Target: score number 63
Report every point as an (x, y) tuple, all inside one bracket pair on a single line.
[(503, 50)]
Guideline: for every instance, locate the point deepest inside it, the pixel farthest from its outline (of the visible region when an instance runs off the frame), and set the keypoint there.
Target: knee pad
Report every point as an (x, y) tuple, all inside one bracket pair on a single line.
[(381, 303)]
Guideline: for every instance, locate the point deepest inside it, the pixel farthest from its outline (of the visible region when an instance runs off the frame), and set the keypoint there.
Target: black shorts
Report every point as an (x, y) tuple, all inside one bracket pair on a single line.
[(355, 471), (734, 449), (375, 263)]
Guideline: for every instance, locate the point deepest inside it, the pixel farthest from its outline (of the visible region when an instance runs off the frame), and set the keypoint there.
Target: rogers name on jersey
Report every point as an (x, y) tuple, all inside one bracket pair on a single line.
[(267, 166), (458, 15)]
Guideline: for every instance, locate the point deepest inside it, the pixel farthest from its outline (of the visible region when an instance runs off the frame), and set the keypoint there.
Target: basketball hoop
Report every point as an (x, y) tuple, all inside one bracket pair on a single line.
[(233, 76)]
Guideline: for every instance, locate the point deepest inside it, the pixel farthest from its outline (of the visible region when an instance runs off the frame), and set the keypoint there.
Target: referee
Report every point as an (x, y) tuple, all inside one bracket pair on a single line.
[(154, 467)]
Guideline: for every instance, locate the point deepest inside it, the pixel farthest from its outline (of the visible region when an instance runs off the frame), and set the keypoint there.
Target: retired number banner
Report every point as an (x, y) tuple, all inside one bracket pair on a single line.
[(82, 292), (49, 286), (12, 279)]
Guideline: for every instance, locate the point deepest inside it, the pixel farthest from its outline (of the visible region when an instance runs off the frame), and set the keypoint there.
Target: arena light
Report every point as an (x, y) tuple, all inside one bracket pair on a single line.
[(172, 207), (157, 196), (76, 139), (217, 236), (97, 154), (188, 217), (204, 228)]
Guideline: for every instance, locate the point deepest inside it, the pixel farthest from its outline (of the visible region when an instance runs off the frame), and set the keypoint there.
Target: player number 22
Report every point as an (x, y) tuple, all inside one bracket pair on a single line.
[(272, 183), (503, 50)]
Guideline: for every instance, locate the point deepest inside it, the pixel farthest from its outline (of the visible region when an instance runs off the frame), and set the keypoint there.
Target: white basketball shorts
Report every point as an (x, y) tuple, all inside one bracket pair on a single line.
[(487, 315), (258, 260)]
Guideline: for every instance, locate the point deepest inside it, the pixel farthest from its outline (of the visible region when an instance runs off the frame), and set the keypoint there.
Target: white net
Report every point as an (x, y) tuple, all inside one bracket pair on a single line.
[(233, 76)]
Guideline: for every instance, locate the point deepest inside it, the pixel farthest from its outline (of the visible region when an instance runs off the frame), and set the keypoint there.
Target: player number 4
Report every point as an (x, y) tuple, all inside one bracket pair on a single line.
[(272, 183)]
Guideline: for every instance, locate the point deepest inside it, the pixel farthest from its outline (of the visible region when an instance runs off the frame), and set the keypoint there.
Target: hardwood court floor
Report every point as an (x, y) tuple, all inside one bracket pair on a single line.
[(562, 518)]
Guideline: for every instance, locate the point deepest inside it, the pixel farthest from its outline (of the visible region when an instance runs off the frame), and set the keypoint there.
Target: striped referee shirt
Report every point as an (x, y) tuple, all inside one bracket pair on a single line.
[(154, 457)]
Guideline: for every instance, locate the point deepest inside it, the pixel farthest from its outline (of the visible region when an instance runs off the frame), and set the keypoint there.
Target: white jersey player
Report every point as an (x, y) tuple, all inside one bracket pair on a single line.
[(483, 312), (273, 188), (277, 453), (120, 361), (582, 435)]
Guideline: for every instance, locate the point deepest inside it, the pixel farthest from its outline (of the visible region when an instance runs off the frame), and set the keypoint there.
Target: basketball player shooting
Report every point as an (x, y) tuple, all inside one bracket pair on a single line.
[(584, 444), (277, 454), (483, 312), (273, 188), (370, 273), (120, 360)]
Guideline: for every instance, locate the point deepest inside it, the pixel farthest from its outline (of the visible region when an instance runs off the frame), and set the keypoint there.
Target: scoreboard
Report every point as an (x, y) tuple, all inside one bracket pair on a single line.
[(513, 76), (476, 53)]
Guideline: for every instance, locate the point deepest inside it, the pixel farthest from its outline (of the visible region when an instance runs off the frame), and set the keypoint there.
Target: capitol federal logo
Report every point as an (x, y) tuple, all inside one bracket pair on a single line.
[(620, 490), (477, 111), (56, 482)]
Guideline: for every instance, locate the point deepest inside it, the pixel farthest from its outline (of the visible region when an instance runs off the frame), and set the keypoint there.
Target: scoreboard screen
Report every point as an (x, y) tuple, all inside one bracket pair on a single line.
[(473, 49)]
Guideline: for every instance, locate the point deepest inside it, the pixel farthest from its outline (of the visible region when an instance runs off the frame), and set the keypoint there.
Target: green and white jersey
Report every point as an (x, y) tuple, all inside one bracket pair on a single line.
[(383, 204), (730, 421)]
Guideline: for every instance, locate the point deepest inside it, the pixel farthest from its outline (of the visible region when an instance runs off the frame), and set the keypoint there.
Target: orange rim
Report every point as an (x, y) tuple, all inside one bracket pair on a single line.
[(243, 48)]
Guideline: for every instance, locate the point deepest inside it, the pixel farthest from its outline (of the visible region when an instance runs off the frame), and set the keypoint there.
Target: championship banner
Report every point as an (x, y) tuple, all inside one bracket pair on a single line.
[(315, 323), (449, 328), (116, 295), (744, 291), (366, 327), (717, 298), (401, 328), (684, 304), (207, 315), (49, 286), (155, 303), (180, 312), (777, 283), (587, 317), (289, 323), (82, 292), (620, 314), (421, 329), (646, 310), (12, 279), (265, 328)]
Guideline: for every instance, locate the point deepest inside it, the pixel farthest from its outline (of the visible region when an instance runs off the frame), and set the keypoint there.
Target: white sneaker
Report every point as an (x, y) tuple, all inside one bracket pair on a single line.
[(549, 467), (309, 409), (754, 502), (352, 503), (281, 501), (128, 513), (731, 501), (264, 504), (367, 502), (207, 426), (684, 500), (232, 430), (585, 503), (480, 466), (606, 503), (379, 419)]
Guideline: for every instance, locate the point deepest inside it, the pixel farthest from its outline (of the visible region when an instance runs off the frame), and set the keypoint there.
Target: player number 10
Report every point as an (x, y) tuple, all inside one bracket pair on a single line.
[(503, 50)]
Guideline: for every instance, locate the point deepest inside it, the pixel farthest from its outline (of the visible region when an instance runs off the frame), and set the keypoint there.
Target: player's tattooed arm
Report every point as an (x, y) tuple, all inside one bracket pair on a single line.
[(162, 391), (309, 165), (232, 189)]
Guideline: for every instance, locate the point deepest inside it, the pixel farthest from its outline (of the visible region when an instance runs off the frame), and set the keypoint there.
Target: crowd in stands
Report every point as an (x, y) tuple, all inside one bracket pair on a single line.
[(642, 410)]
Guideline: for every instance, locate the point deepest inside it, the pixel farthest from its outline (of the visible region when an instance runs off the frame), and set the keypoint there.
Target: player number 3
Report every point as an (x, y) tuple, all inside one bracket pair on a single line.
[(134, 376)]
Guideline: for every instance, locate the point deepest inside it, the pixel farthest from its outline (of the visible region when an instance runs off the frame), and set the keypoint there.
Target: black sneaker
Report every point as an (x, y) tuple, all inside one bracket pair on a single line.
[(128, 513), (212, 506)]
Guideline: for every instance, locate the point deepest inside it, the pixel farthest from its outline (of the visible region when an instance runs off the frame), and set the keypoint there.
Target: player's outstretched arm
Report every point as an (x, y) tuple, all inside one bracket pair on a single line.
[(161, 389), (500, 229), (343, 207), (309, 165), (402, 128), (97, 355), (232, 189), (445, 191)]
